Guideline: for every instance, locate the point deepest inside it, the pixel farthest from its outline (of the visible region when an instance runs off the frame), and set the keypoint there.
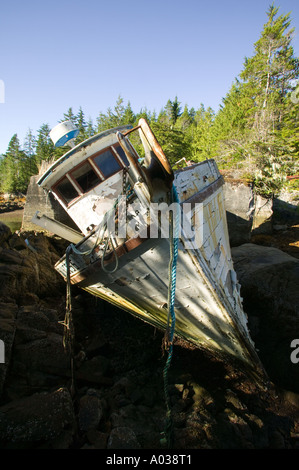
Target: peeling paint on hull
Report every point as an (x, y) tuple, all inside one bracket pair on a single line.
[(208, 306)]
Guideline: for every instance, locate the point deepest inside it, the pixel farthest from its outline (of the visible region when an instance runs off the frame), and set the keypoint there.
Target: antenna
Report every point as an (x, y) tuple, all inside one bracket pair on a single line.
[(64, 133)]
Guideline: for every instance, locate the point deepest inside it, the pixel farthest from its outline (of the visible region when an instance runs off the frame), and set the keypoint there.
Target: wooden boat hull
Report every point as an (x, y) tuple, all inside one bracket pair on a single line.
[(131, 270), (208, 306)]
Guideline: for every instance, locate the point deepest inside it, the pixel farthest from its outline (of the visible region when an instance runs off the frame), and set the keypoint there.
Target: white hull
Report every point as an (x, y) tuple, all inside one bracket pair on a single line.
[(208, 306), (89, 180)]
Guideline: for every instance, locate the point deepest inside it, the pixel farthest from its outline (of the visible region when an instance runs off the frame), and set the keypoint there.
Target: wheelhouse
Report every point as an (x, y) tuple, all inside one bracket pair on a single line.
[(88, 178), (80, 180)]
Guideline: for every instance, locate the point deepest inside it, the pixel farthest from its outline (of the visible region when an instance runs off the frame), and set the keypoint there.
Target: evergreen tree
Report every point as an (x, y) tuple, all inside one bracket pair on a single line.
[(29, 149), (45, 149), (185, 119), (9, 167), (14, 168), (69, 116), (186, 125), (128, 115), (104, 121), (81, 126), (255, 130), (111, 119), (172, 111), (119, 111), (172, 141), (29, 143), (90, 131), (231, 130), (119, 116), (287, 140), (288, 133), (268, 74), (163, 117), (253, 113), (145, 114), (202, 142)]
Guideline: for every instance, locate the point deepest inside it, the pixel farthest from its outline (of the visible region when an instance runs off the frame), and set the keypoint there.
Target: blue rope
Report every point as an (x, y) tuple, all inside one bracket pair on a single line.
[(174, 241)]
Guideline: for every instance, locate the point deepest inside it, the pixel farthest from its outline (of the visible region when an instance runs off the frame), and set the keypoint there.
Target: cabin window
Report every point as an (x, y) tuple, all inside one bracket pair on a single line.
[(107, 163), (122, 154), (85, 177), (67, 190)]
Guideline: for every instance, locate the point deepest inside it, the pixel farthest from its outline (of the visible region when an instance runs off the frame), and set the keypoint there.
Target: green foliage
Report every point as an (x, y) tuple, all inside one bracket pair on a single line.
[(171, 140), (16, 167), (81, 125), (45, 149), (171, 112), (119, 116), (256, 129), (202, 140)]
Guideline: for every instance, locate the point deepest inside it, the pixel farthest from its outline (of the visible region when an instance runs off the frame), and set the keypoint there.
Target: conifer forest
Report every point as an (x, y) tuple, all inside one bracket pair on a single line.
[(255, 132)]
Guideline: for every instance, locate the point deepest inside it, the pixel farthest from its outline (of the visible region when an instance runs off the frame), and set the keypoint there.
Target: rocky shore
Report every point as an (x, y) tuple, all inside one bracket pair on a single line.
[(113, 396), (9, 203)]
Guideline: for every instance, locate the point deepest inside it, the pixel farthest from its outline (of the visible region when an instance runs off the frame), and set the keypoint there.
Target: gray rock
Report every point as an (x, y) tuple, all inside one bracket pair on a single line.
[(90, 411), (44, 354), (286, 207), (279, 228), (122, 438), (200, 396), (247, 213), (40, 418), (8, 314), (276, 440), (269, 281), (5, 233), (26, 271), (94, 371), (36, 198), (97, 439), (262, 216), (239, 201)]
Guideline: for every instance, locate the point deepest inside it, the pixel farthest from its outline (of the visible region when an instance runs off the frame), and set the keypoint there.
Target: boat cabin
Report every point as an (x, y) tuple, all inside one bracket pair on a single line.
[(88, 178)]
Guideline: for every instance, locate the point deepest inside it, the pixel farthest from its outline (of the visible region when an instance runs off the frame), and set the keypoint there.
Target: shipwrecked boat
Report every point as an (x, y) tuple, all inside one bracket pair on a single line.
[(134, 216)]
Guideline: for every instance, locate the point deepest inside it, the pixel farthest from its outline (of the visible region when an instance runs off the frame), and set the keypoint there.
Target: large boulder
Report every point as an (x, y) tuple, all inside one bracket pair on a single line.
[(32, 303), (247, 212), (5, 233), (43, 419), (26, 265), (286, 207), (8, 314), (38, 200), (269, 281)]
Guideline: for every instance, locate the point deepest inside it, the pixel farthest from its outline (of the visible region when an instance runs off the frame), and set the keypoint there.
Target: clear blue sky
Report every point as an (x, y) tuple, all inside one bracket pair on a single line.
[(60, 54)]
